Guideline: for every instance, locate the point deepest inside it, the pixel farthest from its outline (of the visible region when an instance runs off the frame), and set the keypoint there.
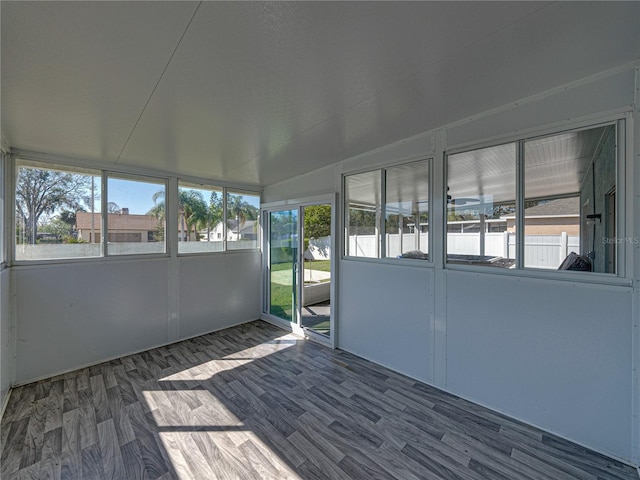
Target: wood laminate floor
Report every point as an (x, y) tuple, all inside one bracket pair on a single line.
[(253, 402)]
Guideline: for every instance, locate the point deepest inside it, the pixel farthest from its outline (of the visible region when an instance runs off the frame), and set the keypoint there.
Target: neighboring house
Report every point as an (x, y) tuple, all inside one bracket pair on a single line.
[(248, 231), (550, 218), (123, 227)]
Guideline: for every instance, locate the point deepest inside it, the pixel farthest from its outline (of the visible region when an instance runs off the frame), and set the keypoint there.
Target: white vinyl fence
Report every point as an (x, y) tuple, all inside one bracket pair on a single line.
[(541, 251), (43, 251)]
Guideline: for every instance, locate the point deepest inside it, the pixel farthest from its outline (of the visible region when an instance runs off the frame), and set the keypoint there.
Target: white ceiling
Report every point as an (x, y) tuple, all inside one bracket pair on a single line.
[(258, 92)]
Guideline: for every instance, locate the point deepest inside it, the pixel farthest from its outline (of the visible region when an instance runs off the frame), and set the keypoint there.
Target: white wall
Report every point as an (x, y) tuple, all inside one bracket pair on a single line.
[(557, 354), (546, 351), (7, 337), (314, 183), (218, 291), (385, 315), (76, 314)]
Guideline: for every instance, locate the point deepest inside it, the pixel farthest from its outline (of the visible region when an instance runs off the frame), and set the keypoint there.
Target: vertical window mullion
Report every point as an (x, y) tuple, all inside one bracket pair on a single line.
[(620, 204), (520, 236), (171, 217), (104, 213), (224, 219), (382, 219)]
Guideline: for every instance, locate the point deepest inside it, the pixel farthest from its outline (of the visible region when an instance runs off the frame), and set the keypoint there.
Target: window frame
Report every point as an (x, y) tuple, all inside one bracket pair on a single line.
[(12, 166), (4, 227), (224, 189), (258, 222), (518, 206), (378, 217), (622, 125), (135, 177), (204, 186), (169, 181), (381, 215)]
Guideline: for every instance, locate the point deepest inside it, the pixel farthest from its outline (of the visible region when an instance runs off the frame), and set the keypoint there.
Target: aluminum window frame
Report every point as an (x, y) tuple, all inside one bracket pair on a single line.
[(169, 181), (622, 125), (135, 177), (381, 215)]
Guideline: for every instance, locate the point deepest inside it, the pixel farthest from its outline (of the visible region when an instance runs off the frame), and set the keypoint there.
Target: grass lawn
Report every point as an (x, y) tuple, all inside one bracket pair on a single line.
[(281, 301), (320, 265)]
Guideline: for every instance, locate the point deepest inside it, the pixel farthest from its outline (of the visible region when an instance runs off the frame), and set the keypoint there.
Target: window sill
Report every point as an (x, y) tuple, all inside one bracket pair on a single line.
[(547, 275), (406, 262)]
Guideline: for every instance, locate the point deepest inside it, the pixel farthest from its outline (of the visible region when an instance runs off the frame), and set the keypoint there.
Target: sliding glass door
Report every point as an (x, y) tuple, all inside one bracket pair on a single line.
[(283, 264), (298, 263), (315, 304)]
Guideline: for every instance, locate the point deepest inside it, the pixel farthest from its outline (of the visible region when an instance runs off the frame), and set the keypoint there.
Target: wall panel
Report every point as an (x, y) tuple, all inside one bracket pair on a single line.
[(318, 182), (555, 354), (83, 313), (7, 337), (385, 315), (77, 314), (218, 291), (608, 93)]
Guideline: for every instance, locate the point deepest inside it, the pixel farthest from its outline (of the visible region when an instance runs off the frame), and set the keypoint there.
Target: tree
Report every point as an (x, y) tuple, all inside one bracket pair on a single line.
[(214, 213), (317, 221), (113, 207), (362, 220), (240, 210), (42, 192), (191, 209), (61, 225)]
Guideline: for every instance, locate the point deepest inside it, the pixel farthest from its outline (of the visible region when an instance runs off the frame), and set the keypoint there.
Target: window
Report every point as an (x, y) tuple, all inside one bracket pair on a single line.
[(362, 214), (566, 208), (135, 215), (200, 218), (404, 233), (481, 206), (407, 211), (61, 211), (569, 190), (243, 210), (3, 226), (57, 212)]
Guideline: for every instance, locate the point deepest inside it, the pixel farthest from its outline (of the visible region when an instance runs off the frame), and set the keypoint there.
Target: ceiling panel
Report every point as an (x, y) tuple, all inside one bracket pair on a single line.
[(76, 75), (258, 92)]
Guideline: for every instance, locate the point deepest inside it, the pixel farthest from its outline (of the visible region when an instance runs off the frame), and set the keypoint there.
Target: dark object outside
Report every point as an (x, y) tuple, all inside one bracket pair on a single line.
[(576, 262)]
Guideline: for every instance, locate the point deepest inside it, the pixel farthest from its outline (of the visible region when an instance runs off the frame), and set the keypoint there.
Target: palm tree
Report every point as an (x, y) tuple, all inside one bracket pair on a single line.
[(191, 208), (241, 210), (214, 212)]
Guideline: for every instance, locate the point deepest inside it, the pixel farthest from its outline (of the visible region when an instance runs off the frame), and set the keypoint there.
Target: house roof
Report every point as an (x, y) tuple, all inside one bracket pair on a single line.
[(246, 227), (117, 221), (558, 207)]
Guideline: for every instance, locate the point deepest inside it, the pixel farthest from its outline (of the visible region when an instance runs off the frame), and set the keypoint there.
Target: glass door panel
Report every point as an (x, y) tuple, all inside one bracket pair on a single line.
[(316, 286), (283, 264)]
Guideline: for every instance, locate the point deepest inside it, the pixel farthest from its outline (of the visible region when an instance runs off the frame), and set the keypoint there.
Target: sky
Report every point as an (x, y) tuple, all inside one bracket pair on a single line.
[(138, 196)]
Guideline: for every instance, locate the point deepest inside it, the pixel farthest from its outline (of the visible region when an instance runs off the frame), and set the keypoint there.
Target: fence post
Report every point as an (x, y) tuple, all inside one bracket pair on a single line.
[(505, 244), (564, 246)]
